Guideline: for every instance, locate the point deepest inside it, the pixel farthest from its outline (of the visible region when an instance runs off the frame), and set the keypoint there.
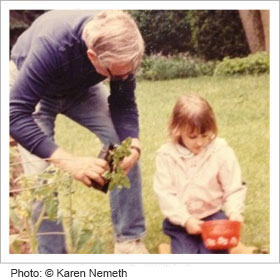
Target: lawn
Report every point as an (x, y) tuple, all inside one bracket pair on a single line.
[(242, 109)]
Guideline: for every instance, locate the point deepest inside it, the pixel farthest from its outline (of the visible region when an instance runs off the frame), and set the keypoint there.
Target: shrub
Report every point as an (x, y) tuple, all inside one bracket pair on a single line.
[(217, 34), (158, 67), (164, 31), (253, 64), (211, 35)]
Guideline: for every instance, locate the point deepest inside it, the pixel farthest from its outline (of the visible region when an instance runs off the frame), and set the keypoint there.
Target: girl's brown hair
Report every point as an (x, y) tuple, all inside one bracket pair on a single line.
[(191, 114)]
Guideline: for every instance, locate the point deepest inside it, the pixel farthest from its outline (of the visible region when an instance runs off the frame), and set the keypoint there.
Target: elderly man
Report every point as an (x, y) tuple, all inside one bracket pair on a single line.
[(57, 66)]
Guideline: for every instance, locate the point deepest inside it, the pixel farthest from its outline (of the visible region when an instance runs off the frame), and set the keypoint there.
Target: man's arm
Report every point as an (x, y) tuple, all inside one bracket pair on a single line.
[(123, 108), (27, 90), (124, 113), (29, 87)]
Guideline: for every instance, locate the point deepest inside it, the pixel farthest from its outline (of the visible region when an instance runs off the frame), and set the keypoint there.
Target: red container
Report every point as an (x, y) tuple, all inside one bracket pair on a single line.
[(220, 234)]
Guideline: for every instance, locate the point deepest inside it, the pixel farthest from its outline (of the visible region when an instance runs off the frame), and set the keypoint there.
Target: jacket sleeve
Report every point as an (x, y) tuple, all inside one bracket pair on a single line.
[(27, 90), (231, 180), (123, 107), (164, 187)]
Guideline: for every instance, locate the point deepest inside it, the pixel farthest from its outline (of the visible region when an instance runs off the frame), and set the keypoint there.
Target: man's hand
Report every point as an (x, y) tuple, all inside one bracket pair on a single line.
[(130, 160), (83, 169), (193, 226)]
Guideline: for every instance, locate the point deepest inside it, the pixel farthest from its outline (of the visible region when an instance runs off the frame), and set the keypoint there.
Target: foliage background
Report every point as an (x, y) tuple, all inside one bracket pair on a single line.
[(208, 34)]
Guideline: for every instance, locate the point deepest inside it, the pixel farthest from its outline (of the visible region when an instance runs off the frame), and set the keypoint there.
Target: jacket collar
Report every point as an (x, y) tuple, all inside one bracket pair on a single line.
[(179, 152)]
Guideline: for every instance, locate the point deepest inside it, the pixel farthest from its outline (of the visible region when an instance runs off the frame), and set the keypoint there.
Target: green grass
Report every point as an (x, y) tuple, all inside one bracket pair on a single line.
[(242, 109)]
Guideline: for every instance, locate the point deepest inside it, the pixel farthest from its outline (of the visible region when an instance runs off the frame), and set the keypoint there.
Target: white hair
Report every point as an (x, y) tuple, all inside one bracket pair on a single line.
[(114, 37)]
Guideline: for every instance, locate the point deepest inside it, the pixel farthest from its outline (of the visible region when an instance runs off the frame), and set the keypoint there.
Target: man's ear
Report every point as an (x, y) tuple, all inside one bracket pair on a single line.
[(92, 56)]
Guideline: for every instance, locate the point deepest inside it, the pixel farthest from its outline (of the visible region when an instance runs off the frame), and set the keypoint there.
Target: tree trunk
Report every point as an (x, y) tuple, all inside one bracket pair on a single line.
[(252, 24), (266, 28)]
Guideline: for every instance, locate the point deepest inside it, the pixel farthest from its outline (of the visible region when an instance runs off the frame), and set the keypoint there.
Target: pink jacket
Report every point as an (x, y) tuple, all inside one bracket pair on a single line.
[(198, 185)]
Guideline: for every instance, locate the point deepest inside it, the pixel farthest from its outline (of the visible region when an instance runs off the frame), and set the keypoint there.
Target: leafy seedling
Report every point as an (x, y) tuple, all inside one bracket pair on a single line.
[(115, 177)]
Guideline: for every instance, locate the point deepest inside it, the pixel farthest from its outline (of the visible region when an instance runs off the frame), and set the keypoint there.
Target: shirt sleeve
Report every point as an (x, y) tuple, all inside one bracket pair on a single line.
[(164, 187), (123, 107), (29, 86), (231, 180)]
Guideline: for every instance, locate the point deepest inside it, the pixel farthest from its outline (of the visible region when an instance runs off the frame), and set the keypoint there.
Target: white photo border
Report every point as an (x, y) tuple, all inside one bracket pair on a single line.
[(273, 257)]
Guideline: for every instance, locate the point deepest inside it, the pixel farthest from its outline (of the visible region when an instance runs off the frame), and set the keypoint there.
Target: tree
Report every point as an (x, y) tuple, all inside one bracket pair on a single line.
[(265, 22), (256, 26)]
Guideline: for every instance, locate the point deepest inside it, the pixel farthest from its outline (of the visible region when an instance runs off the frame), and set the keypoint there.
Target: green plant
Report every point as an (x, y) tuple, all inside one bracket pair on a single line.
[(21, 205), (253, 64), (52, 187), (116, 176)]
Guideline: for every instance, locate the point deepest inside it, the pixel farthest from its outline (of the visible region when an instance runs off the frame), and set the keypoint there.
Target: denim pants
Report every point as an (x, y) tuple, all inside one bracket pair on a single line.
[(184, 243), (89, 109)]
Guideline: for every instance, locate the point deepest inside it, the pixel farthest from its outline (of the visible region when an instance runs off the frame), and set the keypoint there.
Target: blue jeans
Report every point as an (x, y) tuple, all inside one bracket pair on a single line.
[(89, 109), (184, 243)]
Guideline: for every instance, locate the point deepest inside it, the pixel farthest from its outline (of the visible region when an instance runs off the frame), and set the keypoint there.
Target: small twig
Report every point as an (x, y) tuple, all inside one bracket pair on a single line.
[(71, 221), (40, 219), (28, 161), (50, 233), (30, 235), (42, 186), (38, 160)]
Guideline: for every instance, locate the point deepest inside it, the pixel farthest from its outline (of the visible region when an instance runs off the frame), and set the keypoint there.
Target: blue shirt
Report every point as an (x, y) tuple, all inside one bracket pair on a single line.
[(52, 61)]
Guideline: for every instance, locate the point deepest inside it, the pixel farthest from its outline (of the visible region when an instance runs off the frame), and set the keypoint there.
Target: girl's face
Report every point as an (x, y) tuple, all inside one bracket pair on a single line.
[(196, 142)]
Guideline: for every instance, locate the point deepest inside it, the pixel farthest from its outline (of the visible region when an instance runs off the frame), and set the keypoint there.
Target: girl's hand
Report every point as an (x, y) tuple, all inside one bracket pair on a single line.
[(193, 226), (236, 217)]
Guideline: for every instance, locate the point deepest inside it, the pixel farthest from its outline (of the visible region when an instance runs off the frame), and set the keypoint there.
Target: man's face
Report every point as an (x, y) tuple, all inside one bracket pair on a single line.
[(196, 142), (118, 71)]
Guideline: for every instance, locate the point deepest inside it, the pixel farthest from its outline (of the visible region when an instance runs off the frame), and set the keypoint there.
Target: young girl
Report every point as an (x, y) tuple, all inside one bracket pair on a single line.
[(197, 176)]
